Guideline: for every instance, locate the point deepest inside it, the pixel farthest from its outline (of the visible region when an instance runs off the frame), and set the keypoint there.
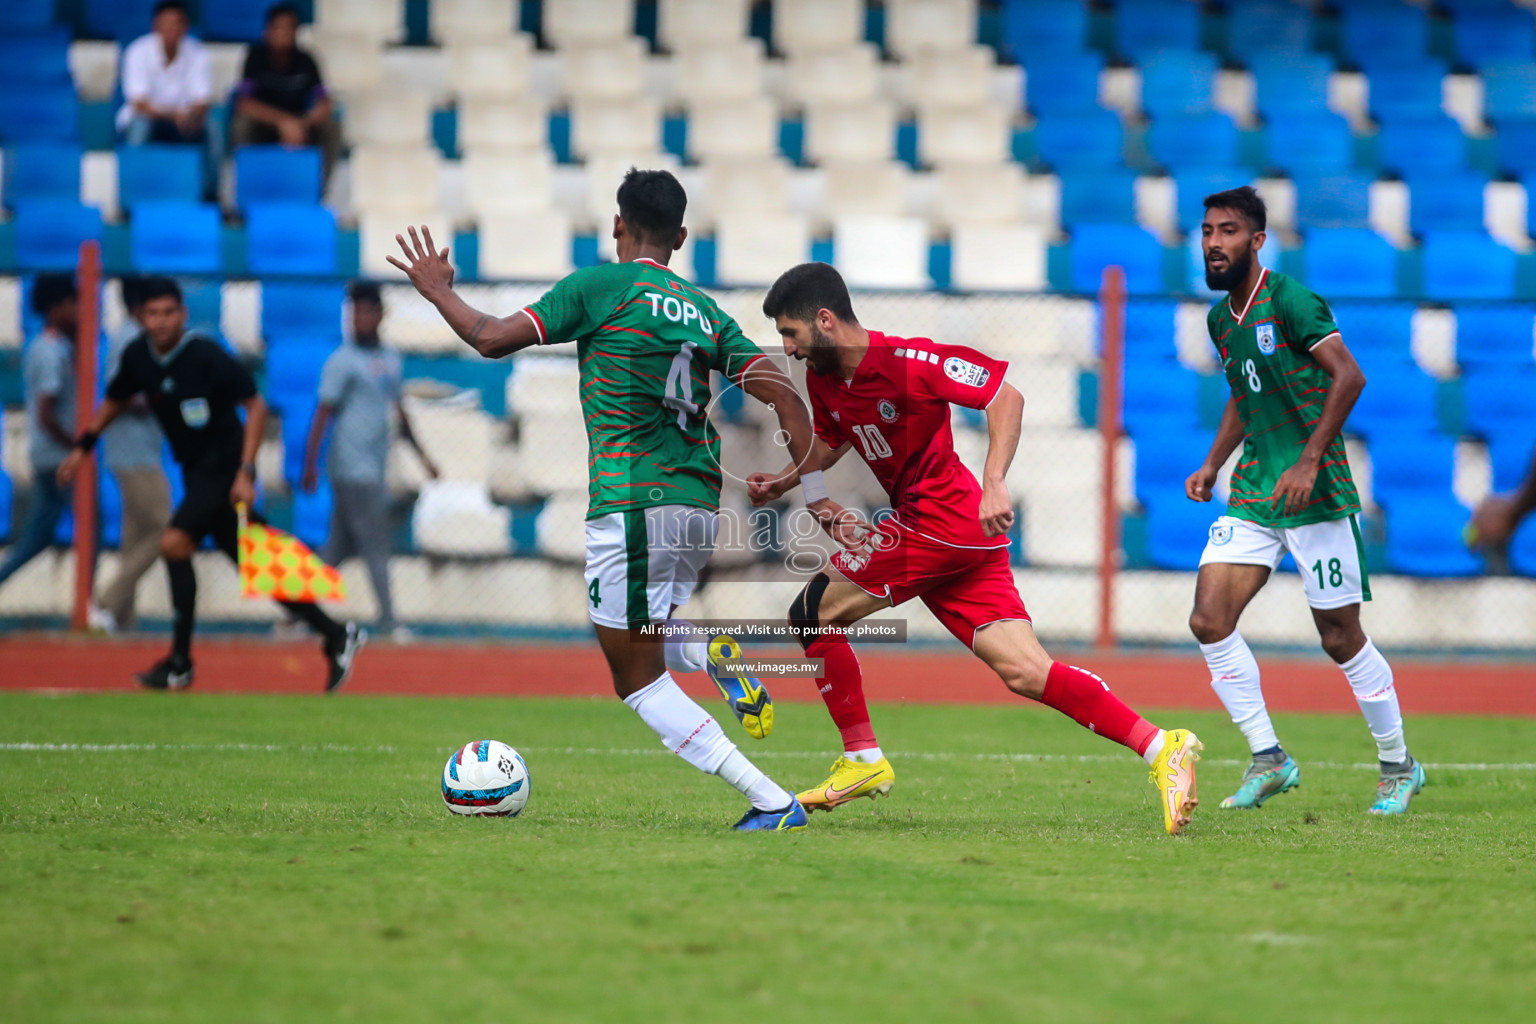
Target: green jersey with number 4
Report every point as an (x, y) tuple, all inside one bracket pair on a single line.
[(646, 340), (1280, 390)]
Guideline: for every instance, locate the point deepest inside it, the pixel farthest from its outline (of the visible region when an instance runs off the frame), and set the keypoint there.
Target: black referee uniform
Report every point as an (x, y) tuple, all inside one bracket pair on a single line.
[(195, 391)]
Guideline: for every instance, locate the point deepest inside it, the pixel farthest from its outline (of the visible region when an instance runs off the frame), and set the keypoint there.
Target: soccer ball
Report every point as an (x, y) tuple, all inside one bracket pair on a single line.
[(486, 777)]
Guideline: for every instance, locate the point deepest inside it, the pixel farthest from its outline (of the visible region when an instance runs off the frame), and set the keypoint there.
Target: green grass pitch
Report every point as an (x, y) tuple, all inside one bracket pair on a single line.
[(289, 859)]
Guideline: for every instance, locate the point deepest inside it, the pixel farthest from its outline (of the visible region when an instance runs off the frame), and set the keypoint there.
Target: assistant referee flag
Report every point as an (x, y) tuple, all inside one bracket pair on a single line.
[(279, 565)]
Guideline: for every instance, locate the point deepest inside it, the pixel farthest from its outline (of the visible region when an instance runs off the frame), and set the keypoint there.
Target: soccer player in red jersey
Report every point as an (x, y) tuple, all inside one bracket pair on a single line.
[(889, 399)]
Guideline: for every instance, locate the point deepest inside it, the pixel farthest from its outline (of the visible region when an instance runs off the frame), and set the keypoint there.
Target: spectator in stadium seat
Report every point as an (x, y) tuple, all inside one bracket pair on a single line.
[(49, 376), (132, 448), (359, 389), (281, 96), (168, 89)]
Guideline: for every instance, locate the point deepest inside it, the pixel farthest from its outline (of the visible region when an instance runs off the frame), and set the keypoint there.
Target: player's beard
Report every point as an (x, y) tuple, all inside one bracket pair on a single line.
[(1235, 274), (821, 357)]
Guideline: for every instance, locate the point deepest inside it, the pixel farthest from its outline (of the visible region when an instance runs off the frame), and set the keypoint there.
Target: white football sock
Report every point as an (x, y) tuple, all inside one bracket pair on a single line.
[(1370, 677), (1235, 678), (765, 794), (1155, 747), (688, 730), (870, 755), (687, 648)]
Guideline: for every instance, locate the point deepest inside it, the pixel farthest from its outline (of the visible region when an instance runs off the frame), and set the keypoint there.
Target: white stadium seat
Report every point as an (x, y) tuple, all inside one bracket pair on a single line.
[(499, 183), (726, 71), (734, 130), (849, 75), (1058, 497), (532, 246), (959, 79), (379, 20), (919, 26), (611, 71), (968, 135), (98, 181), (800, 26), (377, 228), (982, 194), (755, 250), (995, 258), (737, 188), (392, 117), (497, 124), (850, 133), (881, 252), (683, 25), (93, 67), (352, 64), (583, 22), (226, 63), (499, 69), (871, 189), (600, 127), (394, 177), (472, 21)]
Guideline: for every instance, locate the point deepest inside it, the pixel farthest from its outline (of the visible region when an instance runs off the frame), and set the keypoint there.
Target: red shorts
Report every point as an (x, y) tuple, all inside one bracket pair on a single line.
[(965, 588)]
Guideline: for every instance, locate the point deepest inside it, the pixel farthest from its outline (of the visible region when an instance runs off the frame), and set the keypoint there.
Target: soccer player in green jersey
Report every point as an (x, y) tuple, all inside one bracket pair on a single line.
[(647, 340), (1293, 384)]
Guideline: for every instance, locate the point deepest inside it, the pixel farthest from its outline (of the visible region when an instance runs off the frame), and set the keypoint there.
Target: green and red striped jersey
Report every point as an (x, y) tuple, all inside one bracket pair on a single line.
[(1280, 389), (646, 340)]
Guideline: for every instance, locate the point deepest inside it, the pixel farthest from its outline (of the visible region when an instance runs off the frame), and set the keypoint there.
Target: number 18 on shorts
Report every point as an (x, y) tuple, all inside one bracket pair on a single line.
[(1330, 556)]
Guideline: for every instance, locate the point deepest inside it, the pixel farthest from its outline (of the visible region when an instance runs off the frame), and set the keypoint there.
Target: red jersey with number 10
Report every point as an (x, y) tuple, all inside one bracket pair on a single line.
[(895, 412)]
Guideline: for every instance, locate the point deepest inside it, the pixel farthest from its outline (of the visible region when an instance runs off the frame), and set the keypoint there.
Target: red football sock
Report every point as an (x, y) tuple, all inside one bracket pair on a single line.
[(1085, 698), (842, 687)]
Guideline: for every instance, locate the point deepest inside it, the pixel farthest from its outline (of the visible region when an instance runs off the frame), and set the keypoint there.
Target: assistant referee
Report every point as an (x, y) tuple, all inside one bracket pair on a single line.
[(196, 389)]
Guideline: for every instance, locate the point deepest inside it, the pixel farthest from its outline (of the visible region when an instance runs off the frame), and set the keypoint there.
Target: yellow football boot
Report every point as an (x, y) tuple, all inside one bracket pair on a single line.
[(746, 695), (1173, 773), (849, 781)]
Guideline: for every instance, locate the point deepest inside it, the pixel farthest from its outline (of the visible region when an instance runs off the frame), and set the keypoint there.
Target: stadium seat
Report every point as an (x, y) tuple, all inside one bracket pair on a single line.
[(1446, 202), (25, 16), (49, 233), (497, 70), (685, 26), (1333, 201), (1381, 33), (1160, 393), (1522, 549), (1166, 452), (176, 238), (1408, 463), (613, 71), (1493, 33), (1290, 83), (159, 173), (1180, 141), (1256, 25), (746, 129), (882, 252), (1087, 140), (46, 113), (803, 25), (312, 514), (1194, 185), (924, 26), (1516, 145), (1495, 334), (1062, 83), (987, 257), (235, 21), (291, 310), (294, 366), (872, 189), (1510, 452), (1351, 263), (852, 75), (120, 20), (1177, 530), (290, 238), (967, 136), (1150, 329), (754, 249), (607, 127), (1424, 537), (1467, 265), (353, 64), (1098, 197), (851, 133), (470, 21), (1406, 88), (42, 171), (959, 79), (1039, 28), (386, 117), (532, 246), (34, 58), (497, 183), (1509, 89), (1498, 398), (1315, 143), (393, 177), (726, 71), (758, 187), (1376, 330), (1096, 246), (1177, 83), (979, 195), (379, 20), (1144, 27), (497, 124), (276, 174), (1432, 143)]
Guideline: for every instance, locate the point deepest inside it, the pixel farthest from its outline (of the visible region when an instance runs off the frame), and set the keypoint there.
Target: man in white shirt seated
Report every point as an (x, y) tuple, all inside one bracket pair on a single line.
[(168, 88)]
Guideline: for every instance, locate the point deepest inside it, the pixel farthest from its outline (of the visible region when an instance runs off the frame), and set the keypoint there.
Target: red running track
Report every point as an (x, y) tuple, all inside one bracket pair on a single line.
[(1152, 680)]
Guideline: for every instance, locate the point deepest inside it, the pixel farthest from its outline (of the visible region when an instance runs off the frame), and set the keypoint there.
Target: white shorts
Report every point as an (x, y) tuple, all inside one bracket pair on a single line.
[(1330, 556), (641, 563)]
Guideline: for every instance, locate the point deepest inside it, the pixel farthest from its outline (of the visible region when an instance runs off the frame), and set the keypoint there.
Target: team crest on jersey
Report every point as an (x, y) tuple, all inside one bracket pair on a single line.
[(963, 371), (195, 413), (1221, 533), (888, 410), (1265, 334), (837, 417)]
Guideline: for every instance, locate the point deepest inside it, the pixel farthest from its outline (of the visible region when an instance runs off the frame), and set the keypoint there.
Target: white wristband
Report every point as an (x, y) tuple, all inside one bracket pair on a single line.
[(813, 487)]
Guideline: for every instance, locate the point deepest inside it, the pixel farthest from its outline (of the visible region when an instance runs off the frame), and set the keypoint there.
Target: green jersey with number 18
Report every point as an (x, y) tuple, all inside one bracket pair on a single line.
[(1280, 390), (646, 340)]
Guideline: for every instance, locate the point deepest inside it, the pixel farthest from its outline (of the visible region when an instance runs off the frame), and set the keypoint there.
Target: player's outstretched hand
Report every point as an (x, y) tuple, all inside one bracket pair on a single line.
[(428, 269), (996, 509), (765, 487), (1198, 486), (70, 467), (1294, 488)]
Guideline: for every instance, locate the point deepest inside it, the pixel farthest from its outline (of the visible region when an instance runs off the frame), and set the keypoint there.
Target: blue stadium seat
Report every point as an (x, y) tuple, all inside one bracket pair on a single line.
[(1289, 83), (1192, 186), (1315, 143), (42, 170), (1177, 83), (1516, 145), (122, 20), (159, 173), (6, 501), (1160, 393), (176, 238), (1040, 28), (232, 21), (1098, 197), (1179, 141), (1351, 263), (1333, 201), (312, 515), (1522, 548), (1509, 89), (295, 410), (290, 238), (1376, 330), (25, 16), (276, 174), (293, 368), (1498, 334), (1177, 530), (1144, 27), (1398, 397), (1379, 33), (1498, 398), (1510, 452), (1467, 265), (49, 233), (1493, 33), (1424, 537), (1432, 144), (45, 113), (1150, 328), (1089, 140), (308, 310), (34, 58), (1406, 88), (1256, 25), (1166, 453), (1408, 463), (1446, 202), (1063, 83), (1096, 246)]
